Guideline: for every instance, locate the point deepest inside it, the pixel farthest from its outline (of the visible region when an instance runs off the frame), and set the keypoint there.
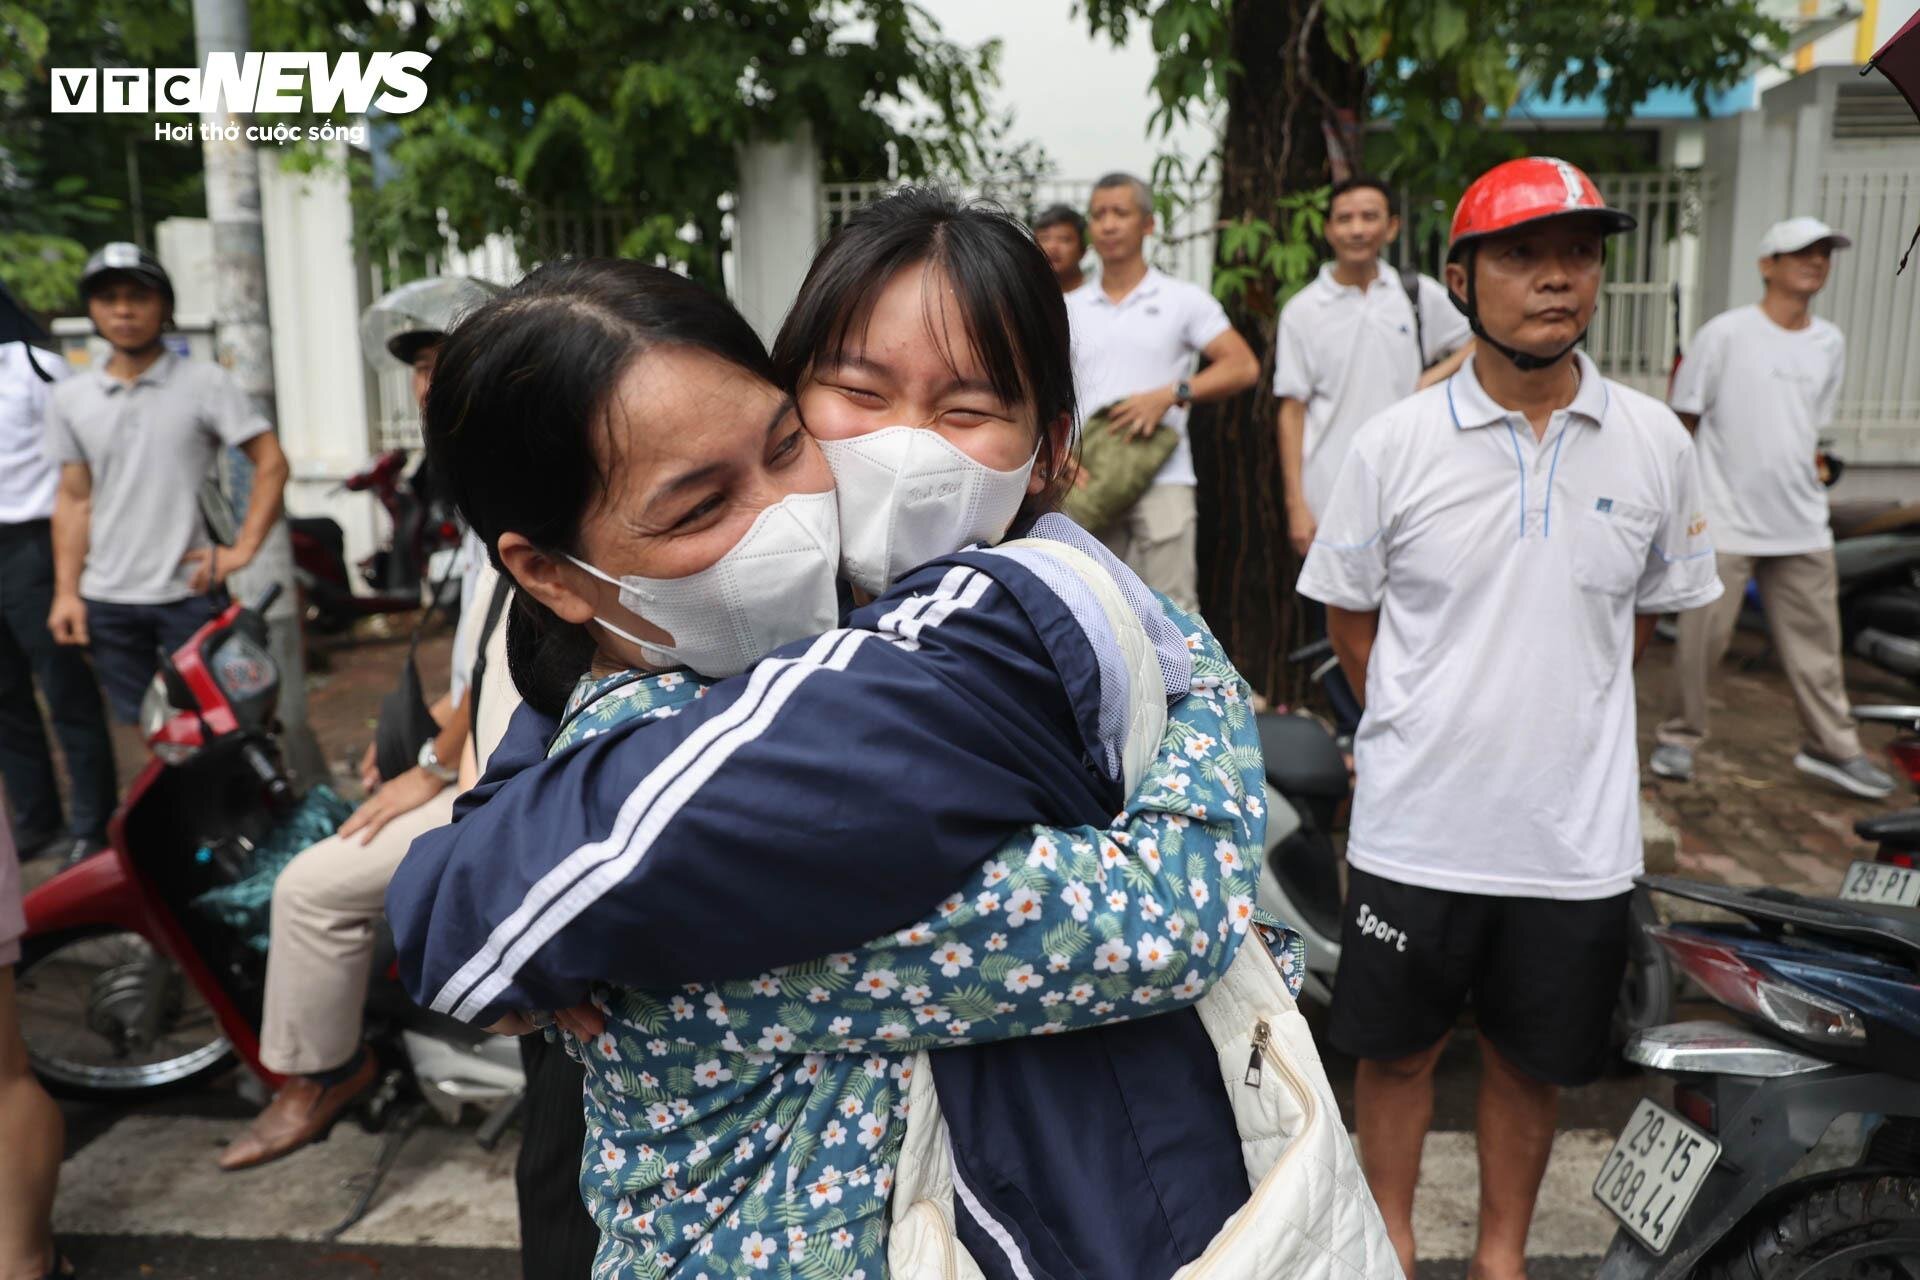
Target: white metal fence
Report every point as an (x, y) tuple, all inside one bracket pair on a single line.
[(1182, 247), (1873, 194)]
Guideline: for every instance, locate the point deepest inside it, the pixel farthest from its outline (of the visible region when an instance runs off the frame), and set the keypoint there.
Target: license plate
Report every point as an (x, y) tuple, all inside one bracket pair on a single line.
[(1653, 1173), (1881, 884)]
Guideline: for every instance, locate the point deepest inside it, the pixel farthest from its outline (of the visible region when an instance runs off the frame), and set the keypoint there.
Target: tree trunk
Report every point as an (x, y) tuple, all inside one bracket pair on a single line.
[(1274, 145)]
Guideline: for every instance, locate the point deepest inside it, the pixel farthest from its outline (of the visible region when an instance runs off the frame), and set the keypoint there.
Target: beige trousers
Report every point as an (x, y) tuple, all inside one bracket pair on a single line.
[(1158, 539), (325, 906), (1802, 598)]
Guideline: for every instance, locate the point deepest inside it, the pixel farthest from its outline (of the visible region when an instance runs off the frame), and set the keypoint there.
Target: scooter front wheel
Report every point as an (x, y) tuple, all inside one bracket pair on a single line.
[(106, 1015)]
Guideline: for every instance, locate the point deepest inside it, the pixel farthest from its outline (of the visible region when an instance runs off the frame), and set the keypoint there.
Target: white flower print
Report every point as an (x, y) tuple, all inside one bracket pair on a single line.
[(840, 1026), (1103, 1008), (918, 935), (1117, 900), (743, 1150), (1227, 854), (993, 871), (1176, 783), (1043, 854), (809, 1069), (1176, 927), (987, 903), (1078, 899), (818, 995), (1198, 943), (882, 1185), (952, 958), (666, 680), (1058, 964), (607, 1047), (711, 1074), (1199, 892), (1240, 912), (1148, 851), (997, 942), (623, 1210), (1080, 992), (1110, 855), (1023, 978), (834, 1134), (959, 1027), (1051, 999), (849, 1106), (1190, 987), (892, 1031), (1145, 995), (1153, 953), (878, 983), (660, 1116), (842, 1239), (872, 1129), (902, 1073), (842, 963), (680, 1009), (919, 993), (931, 1013), (1199, 747), (757, 1251), (716, 1008), (658, 1048), (1111, 957), (776, 1039), (796, 1243), (875, 1066), (1194, 643), (1022, 908), (1151, 908), (612, 1156), (644, 1224), (826, 1188), (766, 985), (952, 905)]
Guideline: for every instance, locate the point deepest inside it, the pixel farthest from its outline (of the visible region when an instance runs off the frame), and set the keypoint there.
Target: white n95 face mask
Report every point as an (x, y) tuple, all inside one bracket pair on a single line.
[(908, 495), (777, 585)]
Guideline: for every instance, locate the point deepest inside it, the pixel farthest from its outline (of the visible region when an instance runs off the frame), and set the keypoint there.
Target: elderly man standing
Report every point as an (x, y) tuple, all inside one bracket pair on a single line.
[(1135, 337), (1493, 556), (1756, 390)]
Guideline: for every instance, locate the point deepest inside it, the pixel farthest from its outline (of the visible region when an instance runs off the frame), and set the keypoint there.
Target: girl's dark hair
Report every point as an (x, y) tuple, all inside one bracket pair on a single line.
[(518, 407), (1015, 315)]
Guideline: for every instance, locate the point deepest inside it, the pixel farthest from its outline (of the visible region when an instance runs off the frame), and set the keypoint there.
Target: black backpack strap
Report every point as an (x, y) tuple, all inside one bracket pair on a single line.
[(502, 591), (1410, 281)]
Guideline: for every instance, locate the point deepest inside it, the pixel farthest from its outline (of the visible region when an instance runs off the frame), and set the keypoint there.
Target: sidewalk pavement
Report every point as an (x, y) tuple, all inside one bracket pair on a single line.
[(1749, 817)]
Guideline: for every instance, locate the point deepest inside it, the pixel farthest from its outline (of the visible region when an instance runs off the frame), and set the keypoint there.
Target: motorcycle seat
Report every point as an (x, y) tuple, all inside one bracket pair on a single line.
[(1861, 519), (1901, 828), (1301, 758)]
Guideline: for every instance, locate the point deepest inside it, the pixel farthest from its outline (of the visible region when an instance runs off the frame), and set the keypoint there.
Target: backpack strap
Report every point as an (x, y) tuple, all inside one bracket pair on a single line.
[(1410, 281)]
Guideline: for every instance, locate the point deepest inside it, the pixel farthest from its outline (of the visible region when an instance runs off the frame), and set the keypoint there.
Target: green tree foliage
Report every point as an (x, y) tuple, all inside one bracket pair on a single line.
[(66, 181), (537, 107), (1291, 84)]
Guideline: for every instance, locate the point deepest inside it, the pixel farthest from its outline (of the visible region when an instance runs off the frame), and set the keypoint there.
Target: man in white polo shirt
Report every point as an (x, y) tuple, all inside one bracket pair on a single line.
[(1351, 343), (1136, 334), (1492, 558), (1756, 390)]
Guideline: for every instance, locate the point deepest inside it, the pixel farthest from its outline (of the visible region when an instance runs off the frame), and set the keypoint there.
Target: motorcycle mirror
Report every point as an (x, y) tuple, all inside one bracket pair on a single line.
[(179, 696)]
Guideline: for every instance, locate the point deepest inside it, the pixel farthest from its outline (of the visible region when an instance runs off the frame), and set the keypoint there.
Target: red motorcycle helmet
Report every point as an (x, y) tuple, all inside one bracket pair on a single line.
[(1520, 193)]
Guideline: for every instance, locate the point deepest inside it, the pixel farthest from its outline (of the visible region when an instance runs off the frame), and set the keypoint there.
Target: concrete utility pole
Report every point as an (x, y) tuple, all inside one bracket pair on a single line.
[(243, 342)]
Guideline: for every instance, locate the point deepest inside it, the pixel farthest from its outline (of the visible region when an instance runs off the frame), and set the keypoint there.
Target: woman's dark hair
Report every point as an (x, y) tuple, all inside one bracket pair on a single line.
[(1016, 317), (518, 407)]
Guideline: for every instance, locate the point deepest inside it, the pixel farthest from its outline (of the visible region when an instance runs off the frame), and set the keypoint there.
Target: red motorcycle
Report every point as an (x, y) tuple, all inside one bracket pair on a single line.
[(425, 533), (129, 984)]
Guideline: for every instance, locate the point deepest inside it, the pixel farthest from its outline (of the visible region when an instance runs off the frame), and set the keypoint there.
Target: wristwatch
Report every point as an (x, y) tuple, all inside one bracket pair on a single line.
[(1182, 393), (429, 759)]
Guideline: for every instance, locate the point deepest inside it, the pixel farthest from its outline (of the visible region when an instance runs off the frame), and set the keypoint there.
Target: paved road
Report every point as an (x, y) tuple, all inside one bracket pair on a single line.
[(141, 1198)]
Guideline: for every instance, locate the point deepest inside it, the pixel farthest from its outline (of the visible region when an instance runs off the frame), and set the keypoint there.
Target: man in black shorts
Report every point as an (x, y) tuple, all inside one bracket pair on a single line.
[(1492, 557)]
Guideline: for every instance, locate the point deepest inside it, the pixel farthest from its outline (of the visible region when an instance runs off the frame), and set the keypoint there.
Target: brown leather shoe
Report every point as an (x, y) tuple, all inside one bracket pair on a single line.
[(302, 1112)]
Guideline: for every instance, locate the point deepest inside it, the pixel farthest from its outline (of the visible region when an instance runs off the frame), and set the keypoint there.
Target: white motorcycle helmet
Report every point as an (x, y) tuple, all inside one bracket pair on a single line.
[(418, 313)]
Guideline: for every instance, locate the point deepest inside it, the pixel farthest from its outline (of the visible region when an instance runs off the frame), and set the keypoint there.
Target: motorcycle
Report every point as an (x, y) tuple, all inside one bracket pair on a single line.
[(1308, 782), (426, 534), (1877, 555), (129, 985), (1792, 1145)]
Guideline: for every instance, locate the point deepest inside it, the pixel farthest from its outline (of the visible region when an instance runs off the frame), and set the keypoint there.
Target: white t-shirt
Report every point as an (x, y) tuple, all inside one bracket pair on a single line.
[(1348, 353), (1148, 339), (1763, 394), (27, 477), (1497, 753)]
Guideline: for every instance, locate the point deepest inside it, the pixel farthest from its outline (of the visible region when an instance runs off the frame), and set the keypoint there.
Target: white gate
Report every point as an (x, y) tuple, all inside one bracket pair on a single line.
[(1873, 194)]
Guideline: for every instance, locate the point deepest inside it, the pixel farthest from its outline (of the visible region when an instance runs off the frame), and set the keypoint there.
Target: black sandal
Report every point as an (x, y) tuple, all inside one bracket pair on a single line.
[(63, 1268)]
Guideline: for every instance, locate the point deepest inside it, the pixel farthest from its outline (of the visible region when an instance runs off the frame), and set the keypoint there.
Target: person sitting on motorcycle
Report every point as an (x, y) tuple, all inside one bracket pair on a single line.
[(697, 1093), (327, 900)]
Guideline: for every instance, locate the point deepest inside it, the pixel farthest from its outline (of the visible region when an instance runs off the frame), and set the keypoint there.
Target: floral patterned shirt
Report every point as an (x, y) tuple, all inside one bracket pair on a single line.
[(743, 1127)]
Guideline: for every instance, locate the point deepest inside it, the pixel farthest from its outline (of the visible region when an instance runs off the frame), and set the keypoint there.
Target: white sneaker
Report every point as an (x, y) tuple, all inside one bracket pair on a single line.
[(1859, 776), (1673, 761)]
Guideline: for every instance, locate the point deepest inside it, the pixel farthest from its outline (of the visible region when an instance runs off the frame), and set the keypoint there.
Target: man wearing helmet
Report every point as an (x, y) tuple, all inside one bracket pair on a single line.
[(1493, 556), (134, 570)]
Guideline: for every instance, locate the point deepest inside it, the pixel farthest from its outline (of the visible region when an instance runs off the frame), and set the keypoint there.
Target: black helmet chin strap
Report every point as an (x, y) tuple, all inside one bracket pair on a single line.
[(1524, 361)]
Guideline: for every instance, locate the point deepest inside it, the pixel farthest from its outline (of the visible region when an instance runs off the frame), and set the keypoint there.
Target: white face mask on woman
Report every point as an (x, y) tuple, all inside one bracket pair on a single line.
[(775, 586), (908, 495)]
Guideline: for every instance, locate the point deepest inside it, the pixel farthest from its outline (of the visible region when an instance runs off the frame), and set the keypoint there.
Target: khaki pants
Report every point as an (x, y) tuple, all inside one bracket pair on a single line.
[(1158, 539), (1802, 598), (325, 906)]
